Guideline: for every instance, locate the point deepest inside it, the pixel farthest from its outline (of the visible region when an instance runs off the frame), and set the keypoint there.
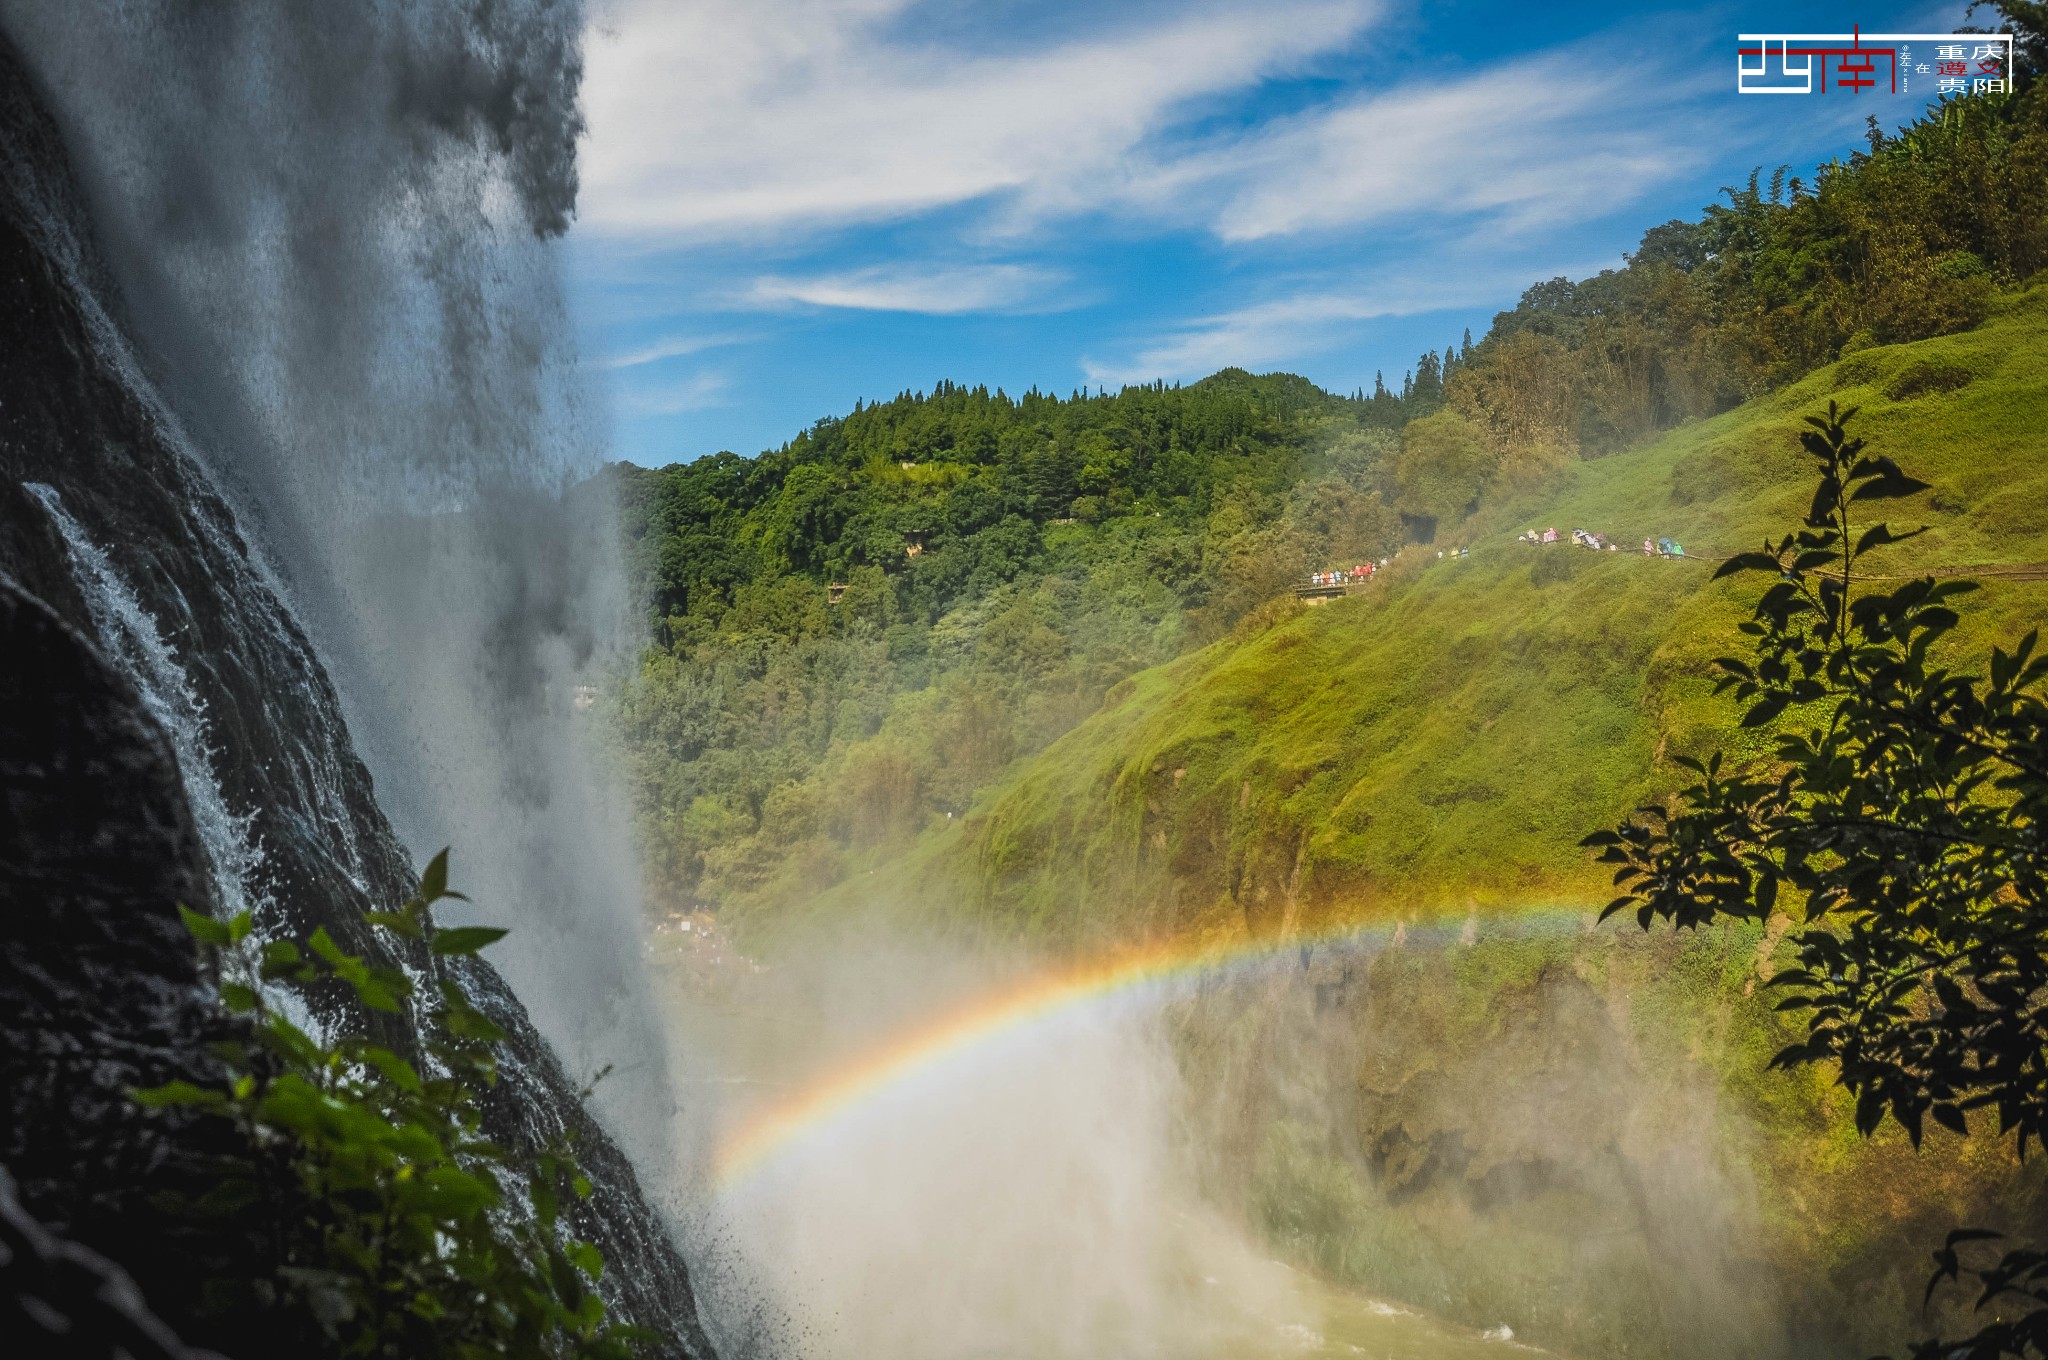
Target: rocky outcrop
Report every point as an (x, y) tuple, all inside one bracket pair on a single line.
[(60, 1299), (99, 985)]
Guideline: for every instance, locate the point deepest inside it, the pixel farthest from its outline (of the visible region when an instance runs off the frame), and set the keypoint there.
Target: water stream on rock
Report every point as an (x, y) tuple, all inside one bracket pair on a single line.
[(295, 449)]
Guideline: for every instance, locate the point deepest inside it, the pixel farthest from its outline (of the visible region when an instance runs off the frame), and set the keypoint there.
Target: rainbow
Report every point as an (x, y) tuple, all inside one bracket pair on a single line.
[(870, 1076)]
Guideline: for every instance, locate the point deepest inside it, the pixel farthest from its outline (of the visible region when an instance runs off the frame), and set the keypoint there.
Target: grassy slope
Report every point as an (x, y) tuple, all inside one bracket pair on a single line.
[(1446, 739), (1442, 743)]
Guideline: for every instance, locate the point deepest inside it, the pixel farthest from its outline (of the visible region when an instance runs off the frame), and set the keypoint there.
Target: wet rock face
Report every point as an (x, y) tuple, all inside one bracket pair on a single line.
[(168, 735), (99, 986)]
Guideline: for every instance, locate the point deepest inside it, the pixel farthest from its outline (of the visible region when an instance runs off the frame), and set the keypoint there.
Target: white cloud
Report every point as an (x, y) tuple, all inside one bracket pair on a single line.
[(1317, 317), (697, 392), (670, 347), (729, 117), (1528, 143), (912, 288)]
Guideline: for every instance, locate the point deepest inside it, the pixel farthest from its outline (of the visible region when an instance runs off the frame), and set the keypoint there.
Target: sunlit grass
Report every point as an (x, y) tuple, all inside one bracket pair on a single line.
[(1445, 741)]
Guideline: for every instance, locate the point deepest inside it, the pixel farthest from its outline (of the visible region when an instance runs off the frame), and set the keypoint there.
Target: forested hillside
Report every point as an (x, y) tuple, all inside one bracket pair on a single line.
[(858, 635), (856, 632), (1444, 742)]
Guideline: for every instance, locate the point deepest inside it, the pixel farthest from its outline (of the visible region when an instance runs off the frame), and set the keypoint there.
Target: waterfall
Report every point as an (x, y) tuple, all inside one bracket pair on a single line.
[(290, 428), (330, 231)]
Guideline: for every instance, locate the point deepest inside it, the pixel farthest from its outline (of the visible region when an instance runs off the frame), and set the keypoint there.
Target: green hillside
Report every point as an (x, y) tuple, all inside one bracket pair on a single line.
[(1445, 738), (865, 636), (1472, 1126), (1032, 670)]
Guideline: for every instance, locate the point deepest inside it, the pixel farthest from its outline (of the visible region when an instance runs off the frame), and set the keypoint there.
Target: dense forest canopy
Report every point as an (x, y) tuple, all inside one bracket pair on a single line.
[(853, 633)]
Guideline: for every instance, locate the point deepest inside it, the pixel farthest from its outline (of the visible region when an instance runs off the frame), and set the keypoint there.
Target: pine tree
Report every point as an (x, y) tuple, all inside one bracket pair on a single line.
[(1427, 390)]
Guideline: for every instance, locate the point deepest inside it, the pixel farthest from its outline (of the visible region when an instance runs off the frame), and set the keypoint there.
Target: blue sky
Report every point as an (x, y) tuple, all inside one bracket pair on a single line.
[(791, 204)]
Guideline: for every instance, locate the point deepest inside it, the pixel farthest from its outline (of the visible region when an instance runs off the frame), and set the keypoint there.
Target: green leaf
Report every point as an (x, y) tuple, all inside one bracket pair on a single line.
[(1741, 562), (323, 944), (434, 878), (205, 929), (1889, 487), (238, 998), (1767, 707), (1877, 535), (434, 882), (376, 995), (401, 922), (586, 1258), (452, 1194), (179, 1094), (466, 939), (396, 1069)]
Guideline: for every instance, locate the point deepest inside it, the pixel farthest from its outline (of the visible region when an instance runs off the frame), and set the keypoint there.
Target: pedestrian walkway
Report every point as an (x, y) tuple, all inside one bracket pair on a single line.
[(1335, 584)]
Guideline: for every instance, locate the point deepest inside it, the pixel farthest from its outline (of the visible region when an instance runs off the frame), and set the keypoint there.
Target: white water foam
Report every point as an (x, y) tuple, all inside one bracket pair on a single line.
[(130, 636)]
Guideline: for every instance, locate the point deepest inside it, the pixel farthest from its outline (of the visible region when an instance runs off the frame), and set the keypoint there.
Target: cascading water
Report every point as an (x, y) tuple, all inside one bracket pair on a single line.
[(328, 229), (128, 633), (285, 395)]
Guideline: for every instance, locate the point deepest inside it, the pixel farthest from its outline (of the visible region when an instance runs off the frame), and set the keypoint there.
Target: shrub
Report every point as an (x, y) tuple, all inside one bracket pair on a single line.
[(1444, 464), (398, 1229), (1901, 813)]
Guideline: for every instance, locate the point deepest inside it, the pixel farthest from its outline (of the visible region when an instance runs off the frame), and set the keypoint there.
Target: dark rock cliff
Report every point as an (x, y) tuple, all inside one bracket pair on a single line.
[(168, 735)]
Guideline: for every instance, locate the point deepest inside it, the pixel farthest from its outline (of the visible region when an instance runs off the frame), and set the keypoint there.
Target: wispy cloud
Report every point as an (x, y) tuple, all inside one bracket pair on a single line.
[(913, 288), (696, 392), (1521, 144), (669, 347), (727, 118), (1315, 317), (1262, 183)]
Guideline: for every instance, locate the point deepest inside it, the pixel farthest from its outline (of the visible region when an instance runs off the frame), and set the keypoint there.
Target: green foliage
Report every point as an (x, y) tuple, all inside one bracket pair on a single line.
[(1007, 562), (1907, 239), (998, 566), (1902, 805), (395, 1224), (1448, 737), (1445, 463), (953, 492)]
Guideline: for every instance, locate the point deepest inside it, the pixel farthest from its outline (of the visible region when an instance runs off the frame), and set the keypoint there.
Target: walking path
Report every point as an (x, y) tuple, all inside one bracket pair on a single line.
[(1331, 585)]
